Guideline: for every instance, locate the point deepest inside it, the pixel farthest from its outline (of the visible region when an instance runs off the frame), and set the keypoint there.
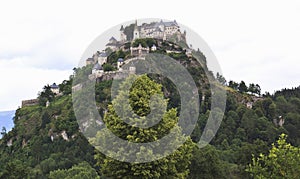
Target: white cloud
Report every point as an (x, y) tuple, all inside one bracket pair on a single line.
[(20, 82), (40, 41)]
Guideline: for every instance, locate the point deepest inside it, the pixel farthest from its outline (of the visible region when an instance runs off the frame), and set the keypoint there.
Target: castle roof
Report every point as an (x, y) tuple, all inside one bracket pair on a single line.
[(120, 60), (90, 59), (171, 23), (158, 29), (111, 44), (54, 86), (103, 54), (149, 26), (112, 39), (97, 66), (167, 24), (160, 23)]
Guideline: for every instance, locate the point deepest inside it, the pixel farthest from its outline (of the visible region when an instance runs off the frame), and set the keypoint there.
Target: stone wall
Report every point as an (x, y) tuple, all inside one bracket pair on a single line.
[(30, 102)]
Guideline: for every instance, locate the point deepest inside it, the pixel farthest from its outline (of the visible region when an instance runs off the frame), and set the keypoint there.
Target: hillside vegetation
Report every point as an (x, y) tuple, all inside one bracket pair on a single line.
[(46, 141)]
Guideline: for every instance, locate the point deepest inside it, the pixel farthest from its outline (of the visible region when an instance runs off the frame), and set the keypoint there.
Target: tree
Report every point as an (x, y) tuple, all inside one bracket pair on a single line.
[(206, 163), (15, 169), (46, 118), (66, 86), (254, 88), (257, 89), (147, 42), (221, 79), (3, 132), (46, 95), (82, 170), (251, 88), (283, 161), (108, 67), (233, 85), (172, 166), (243, 87)]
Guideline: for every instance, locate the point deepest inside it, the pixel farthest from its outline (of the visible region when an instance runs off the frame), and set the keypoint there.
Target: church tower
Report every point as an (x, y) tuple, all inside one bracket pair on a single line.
[(136, 32), (123, 37)]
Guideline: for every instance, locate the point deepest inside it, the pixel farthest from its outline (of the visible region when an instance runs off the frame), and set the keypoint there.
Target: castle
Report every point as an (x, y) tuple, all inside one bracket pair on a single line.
[(158, 30), (165, 31)]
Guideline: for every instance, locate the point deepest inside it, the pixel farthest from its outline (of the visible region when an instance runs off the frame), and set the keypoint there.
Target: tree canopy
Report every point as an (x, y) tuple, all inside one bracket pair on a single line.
[(283, 161), (175, 165)]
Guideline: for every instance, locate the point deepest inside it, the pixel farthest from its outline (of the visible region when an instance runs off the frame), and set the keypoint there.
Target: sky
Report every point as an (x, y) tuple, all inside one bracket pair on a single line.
[(41, 41), (6, 120)]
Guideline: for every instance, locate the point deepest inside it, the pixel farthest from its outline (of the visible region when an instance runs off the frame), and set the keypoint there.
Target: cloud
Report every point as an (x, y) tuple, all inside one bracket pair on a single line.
[(41, 41), (20, 82)]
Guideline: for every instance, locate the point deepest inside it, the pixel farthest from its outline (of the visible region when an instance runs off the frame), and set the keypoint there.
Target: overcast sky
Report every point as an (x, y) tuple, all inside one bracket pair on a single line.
[(41, 41)]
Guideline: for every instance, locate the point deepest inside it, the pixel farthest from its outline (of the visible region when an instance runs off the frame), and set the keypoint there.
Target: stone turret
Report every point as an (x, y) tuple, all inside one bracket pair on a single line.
[(123, 36), (120, 62), (54, 88), (136, 32)]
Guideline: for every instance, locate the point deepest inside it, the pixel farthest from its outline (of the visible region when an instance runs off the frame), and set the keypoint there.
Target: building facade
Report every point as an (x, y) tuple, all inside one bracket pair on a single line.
[(159, 30)]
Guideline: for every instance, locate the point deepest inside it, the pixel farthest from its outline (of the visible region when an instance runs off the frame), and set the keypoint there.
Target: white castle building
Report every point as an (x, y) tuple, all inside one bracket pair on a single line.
[(159, 30), (98, 57)]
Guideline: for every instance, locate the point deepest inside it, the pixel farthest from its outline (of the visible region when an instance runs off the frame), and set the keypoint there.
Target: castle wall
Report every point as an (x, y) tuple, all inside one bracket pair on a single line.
[(30, 102)]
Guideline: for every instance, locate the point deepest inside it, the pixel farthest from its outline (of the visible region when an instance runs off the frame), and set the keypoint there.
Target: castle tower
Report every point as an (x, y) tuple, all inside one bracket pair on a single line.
[(164, 36), (136, 32), (123, 37), (161, 25), (120, 63), (184, 35), (178, 34)]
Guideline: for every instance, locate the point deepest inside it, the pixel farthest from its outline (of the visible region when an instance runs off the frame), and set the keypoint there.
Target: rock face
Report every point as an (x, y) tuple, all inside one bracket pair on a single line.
[(279, 121), (55, 135), (9, 143), (65, 135)]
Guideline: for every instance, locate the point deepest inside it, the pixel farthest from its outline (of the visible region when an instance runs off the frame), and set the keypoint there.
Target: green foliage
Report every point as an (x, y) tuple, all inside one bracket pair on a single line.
[(15, 169), (46, 95), (146, 42), (221, 79), (3, 131), (178, 56), (283, 161), (66, 86), (243, 87), (108, 67), (254, 89), (174, 165), (81, 171), (233, 85), (206, 163), (33, 153), (113, 58), (81, 74)]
